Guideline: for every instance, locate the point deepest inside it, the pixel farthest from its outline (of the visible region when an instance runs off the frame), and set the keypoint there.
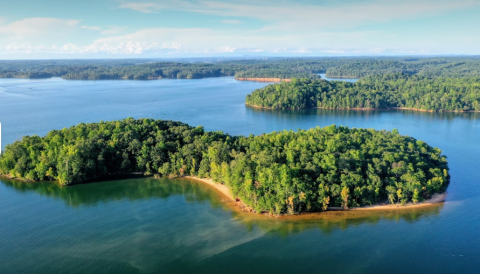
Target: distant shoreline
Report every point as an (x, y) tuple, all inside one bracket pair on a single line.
[(368, 109), (343, 77), (275, 80)]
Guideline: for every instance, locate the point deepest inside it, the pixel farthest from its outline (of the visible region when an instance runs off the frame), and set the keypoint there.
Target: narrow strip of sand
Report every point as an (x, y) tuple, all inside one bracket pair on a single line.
[(225, 190), (437, 198)]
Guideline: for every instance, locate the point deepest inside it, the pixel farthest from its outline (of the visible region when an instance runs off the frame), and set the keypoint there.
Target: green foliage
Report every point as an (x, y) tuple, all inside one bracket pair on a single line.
[(143, 70), (375, 92), (283, 68), (434, 66), (279, 172)]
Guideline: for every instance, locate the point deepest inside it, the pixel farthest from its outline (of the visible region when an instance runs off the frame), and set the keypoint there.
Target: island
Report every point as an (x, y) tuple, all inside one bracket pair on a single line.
[(388, 91), (283, 172)]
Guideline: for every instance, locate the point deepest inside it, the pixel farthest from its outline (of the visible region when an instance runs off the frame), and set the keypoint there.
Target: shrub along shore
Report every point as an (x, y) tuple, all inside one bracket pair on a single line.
[(281, 172)]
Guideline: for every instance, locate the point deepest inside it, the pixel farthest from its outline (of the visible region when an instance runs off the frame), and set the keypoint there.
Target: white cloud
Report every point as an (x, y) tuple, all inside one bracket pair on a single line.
[(289, 14), (254, 50), (342, 51), (128, 48), (143, 7), (303, 50), (378, 50), (201, 41), (232, 22), (225, 49), (34, 27), (18, 47), (91, 27), (113, 30), (154, 49)]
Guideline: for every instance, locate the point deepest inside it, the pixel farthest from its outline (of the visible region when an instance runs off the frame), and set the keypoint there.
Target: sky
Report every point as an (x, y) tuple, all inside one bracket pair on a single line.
[(66, 29)]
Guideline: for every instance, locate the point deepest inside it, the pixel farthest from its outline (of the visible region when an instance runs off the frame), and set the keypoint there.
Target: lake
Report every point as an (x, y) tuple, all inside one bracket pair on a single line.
[(351, 80), (146, 225)]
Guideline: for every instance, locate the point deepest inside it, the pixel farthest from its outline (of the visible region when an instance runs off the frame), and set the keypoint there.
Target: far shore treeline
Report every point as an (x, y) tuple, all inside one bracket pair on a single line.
[(391, 90), (280, 172), (281, 68)]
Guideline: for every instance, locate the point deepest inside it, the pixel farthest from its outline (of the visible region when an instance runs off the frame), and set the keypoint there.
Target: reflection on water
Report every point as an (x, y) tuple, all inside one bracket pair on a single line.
[(117, 190), (350, 113), (152, 225), (195, 192), (332, 220), (147, 225)]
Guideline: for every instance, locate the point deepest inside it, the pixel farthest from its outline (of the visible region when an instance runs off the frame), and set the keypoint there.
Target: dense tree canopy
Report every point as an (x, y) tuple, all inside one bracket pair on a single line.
[(436, 66), (283, 68), (279, 172), (374, 92), (147, 69)]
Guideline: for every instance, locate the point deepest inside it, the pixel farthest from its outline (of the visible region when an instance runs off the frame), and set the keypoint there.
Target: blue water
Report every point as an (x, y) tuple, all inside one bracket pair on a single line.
[(157, 226), (323, 75)]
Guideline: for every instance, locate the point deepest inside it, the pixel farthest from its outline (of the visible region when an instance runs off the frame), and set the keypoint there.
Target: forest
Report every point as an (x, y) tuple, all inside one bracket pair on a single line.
[(283, 68), (282, 172), (391, 90), (180, 69), (439, 66)]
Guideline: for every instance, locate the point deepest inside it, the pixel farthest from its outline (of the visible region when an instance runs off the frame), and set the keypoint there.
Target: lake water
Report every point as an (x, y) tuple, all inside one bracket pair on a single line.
[(323, 76), (143, 225)]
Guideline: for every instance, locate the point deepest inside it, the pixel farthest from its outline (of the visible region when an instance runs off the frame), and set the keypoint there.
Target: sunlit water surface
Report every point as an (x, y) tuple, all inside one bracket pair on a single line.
[(140, 225)]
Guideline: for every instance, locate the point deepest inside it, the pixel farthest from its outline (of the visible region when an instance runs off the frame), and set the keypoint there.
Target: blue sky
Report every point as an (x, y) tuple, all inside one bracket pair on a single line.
[(31, 29)]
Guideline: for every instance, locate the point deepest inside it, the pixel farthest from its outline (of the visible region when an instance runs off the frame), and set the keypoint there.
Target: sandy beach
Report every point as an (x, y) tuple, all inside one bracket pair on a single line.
[(436, 199)]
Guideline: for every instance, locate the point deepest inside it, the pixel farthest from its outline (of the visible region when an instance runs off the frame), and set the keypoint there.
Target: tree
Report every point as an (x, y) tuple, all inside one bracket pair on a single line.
[(415, 196), (278, 172), (399, 194), (345, 194)]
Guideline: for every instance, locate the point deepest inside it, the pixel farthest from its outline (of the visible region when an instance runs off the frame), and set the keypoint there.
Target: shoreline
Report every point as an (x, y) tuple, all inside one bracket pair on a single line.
[(8, 177), (436, 199), (370, 109), (273, 80), (225, 190), (238, 206), (342, 77)]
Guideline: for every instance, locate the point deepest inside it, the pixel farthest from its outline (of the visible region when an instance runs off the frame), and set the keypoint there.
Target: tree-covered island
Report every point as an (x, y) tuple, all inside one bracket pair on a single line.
[(280, 172), (391, 90)]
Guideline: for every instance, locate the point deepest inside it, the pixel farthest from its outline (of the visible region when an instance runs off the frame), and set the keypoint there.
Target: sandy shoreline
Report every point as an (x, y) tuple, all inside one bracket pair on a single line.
[(435, 200), (225, 190), (332, 212)]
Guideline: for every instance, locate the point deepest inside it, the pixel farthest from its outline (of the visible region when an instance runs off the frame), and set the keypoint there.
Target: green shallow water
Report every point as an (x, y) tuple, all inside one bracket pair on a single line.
[(145, 225)]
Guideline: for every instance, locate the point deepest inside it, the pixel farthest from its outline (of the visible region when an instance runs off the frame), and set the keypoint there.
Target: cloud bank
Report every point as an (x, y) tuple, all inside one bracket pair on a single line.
[(282, 27)]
